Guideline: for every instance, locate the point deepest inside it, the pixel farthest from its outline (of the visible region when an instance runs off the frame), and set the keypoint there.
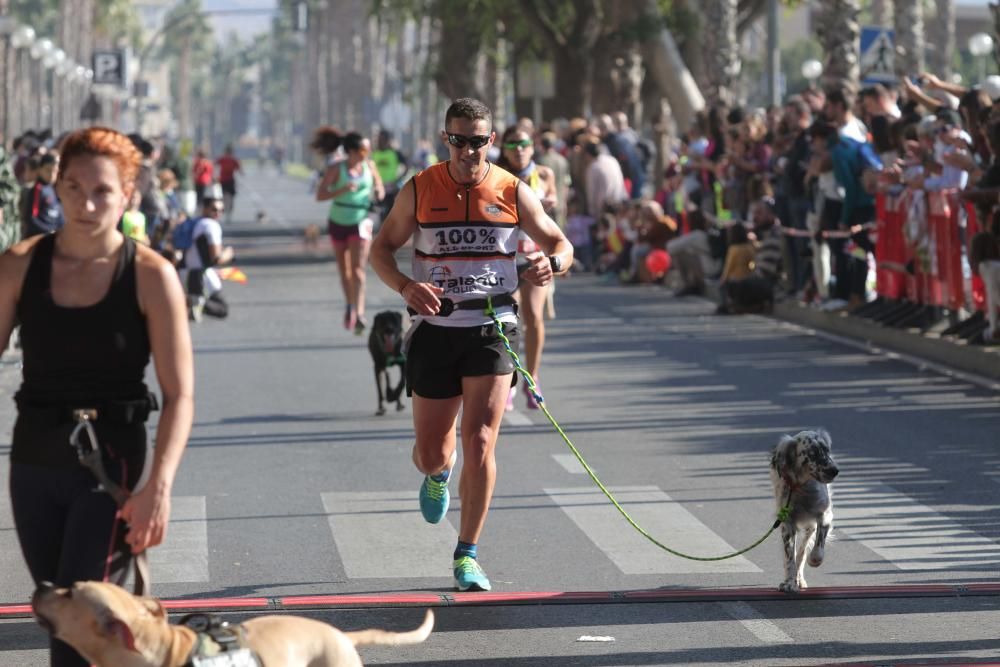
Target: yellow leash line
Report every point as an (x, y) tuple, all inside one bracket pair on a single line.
[(782, 514)]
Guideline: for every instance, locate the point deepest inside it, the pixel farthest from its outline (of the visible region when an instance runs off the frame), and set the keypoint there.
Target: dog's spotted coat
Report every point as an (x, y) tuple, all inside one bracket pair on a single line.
[(802, 468)]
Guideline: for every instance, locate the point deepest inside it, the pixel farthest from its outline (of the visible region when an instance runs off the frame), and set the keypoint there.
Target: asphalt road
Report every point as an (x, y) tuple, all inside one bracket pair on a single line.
[(292, 487)]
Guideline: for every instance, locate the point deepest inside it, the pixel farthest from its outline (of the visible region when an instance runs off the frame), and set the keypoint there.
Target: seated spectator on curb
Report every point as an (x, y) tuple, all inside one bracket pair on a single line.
[(984, 259), (654, 230), (692, 255), (739, 254), (755, 292), (201, 281)]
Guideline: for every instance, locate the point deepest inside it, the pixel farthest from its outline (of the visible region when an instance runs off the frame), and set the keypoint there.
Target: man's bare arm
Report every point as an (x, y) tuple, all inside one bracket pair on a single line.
[(543, 230), (397, 228)]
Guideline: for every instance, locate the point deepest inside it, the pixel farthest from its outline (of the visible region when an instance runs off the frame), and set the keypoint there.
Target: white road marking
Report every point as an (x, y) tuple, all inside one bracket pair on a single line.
[(516, 418), (658, 514), (756, 623), (906, 533), (183, 556), (387, 520), (570, 463)]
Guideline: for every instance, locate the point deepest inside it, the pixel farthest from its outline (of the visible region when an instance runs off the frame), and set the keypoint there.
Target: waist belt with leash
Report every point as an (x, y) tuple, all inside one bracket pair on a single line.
[(448, 306), (84, 440)]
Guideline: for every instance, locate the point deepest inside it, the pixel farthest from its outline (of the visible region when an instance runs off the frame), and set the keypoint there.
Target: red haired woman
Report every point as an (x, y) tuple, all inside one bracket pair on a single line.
[(93, 307)]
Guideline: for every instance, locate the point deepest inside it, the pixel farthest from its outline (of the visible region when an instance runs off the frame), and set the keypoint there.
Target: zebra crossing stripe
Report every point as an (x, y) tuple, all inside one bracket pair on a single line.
[(661, 516), (183, 555), (759, 626), (908, 534), (570, 463), (386, 520)]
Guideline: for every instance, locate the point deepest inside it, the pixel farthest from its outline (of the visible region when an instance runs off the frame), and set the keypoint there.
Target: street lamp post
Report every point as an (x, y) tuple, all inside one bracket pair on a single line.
[(54, 59), (40, 50), (980, 46), (21, 40)]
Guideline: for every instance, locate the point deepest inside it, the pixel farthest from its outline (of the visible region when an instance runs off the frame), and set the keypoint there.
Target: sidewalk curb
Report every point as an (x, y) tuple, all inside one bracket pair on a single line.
[(980, 361)]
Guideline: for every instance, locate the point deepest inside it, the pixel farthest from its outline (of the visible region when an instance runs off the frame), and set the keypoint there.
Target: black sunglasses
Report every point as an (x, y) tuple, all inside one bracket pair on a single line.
[(476, 141)]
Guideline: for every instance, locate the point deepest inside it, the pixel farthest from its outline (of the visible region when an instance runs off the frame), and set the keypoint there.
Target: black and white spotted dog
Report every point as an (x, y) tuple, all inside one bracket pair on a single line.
[(801, 471)]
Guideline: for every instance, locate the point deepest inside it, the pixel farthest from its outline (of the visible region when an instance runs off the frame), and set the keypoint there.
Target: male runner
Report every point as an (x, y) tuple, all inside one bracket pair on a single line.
[(463, 216)]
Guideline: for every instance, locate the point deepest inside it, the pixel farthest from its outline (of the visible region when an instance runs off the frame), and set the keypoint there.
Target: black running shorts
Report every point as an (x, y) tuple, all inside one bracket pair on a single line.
[(439, 357)]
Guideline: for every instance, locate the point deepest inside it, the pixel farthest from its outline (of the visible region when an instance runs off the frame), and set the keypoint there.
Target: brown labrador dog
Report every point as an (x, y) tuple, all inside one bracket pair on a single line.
[(113, 628)]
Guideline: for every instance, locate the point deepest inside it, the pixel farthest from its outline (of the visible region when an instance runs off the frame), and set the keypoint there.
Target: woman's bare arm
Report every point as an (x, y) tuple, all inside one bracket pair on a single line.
[(162, 300)]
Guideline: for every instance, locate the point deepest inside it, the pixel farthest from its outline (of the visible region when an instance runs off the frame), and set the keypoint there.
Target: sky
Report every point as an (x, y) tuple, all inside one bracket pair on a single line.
[(245, 25)]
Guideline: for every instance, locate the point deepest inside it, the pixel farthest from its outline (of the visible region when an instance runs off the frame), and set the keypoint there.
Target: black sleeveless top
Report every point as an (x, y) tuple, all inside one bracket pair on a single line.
[(92, 353)]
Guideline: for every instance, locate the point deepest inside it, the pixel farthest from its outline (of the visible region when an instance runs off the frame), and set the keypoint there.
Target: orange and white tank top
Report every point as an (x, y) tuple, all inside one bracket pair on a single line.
[(466, 240)]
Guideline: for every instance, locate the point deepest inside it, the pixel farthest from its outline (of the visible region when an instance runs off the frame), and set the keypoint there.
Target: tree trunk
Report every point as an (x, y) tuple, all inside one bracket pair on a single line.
[(455, 72), (995, 11), (184, 87), (942, 34), (721, 49), (837, 30), (571, 79), (666, 67), (7, 78), (909, 22)]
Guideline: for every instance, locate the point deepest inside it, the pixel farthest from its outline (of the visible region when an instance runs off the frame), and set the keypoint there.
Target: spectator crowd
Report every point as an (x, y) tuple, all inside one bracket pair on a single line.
[(787, 202), (175, 208)]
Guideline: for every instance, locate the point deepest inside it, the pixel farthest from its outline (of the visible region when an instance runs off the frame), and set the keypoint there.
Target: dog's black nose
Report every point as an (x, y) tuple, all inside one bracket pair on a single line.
[(832, 471)]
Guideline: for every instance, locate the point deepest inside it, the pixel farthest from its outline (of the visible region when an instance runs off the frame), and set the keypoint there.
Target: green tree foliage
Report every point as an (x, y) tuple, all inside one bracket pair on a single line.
[(117, 22), (42, 15), (185, 21)]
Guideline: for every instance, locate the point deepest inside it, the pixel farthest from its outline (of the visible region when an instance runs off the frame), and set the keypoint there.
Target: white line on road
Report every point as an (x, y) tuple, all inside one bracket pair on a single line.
[(570, 463), (908, 534), (661, 516), (183, 556), (516, 418), (757, 624), (368, 528)]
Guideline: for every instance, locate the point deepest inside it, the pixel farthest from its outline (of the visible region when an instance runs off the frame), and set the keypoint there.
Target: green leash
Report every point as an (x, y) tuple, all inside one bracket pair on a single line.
[(782, 513)]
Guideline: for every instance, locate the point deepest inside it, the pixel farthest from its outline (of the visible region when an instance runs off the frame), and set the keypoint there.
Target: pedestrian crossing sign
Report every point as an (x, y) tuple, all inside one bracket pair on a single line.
[(878, 50)]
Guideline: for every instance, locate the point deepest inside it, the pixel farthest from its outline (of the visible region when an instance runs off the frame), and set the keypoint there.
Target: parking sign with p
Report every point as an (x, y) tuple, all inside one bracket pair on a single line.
[(109, 67)]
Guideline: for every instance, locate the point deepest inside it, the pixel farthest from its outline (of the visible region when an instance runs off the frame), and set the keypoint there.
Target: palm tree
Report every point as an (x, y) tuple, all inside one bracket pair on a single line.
[(188, 28), (942, 36), (837, 30), (909, 24), (721, 49)]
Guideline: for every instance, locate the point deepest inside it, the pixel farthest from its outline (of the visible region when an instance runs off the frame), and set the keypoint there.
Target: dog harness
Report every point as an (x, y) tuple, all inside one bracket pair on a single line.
[(219, 644)]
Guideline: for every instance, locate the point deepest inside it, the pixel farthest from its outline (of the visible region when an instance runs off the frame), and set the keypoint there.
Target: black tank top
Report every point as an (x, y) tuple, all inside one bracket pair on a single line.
[(91, 353)]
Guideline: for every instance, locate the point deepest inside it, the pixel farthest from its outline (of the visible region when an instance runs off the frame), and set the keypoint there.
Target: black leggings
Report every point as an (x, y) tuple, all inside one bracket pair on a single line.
[(68, 531)]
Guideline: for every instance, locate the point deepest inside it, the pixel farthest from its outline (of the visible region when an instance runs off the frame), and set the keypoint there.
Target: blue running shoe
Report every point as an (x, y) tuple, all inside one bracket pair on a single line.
[(434, 497), (469, 576)]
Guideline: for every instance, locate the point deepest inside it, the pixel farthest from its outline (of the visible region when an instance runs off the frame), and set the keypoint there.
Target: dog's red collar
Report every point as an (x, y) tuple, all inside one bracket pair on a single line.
[(792, 488)]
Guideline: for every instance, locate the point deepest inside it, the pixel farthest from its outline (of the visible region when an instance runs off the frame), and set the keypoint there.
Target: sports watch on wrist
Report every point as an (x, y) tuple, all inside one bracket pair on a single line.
[(555, 261)]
